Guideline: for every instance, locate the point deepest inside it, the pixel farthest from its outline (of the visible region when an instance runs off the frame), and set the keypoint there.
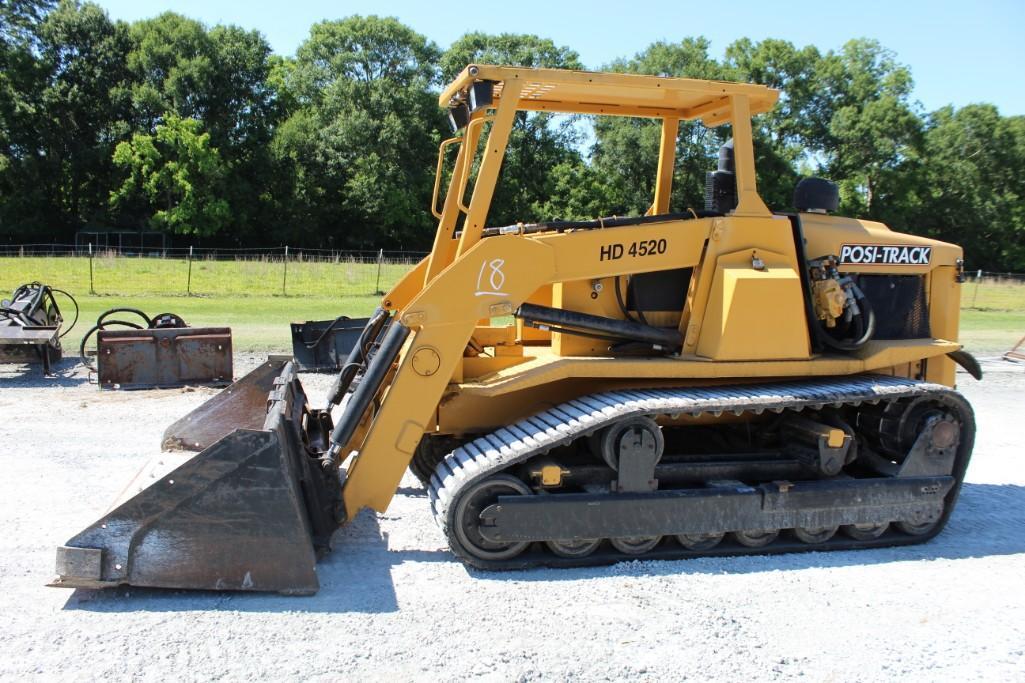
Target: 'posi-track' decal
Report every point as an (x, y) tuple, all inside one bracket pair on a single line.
[(885, 254)]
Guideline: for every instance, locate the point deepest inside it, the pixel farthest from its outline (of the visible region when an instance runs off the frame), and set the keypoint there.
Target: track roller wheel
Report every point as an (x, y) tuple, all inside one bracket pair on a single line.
[(919, 524), (699, 541), (639, 432), (816, 534), (635, 545), (865, 532), (466, 518), (756, 538), (578, 548)]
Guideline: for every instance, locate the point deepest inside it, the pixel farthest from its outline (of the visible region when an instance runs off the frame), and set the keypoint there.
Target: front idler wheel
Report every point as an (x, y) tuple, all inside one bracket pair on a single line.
[(467, 521)]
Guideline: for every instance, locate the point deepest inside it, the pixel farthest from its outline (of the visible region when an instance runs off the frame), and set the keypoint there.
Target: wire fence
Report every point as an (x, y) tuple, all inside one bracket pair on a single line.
[(993, 291), (274, 271), (286, 271)]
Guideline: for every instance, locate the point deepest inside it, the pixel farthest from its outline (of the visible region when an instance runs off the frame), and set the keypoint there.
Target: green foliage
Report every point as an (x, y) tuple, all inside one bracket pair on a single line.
[(873, 131), (973, 175), (178, 175), (87, 106), (625, 153), (356, 151), (539, 144), (219, 76), (202, 131), (511, 49), (172, 62), (66, 106)]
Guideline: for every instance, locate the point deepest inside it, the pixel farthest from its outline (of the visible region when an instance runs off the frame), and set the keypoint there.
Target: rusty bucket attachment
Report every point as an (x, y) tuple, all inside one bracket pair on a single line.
[(251, 511), (163, 358), (161, 352)]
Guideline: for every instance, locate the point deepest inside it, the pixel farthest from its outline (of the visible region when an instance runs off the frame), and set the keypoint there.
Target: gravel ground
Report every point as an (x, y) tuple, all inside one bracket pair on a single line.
[(395, 605)]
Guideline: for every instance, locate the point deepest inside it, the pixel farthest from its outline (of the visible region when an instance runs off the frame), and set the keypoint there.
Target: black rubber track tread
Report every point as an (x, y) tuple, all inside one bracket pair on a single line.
[(481, 458)]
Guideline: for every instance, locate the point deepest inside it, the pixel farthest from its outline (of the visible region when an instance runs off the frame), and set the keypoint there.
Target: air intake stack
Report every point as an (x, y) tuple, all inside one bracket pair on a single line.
[(816, 195), (721, 184)]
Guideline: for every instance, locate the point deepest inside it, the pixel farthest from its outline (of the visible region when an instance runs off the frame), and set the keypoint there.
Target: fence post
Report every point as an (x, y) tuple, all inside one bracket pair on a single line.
[(188, 282), (380, 260), (975, 294), (92, 289), (284, 277)]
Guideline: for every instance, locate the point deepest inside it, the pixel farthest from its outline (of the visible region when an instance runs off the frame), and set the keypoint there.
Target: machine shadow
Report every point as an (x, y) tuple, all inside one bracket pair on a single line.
[(354, 577), (987, 521), (411, 491), (67, 372)]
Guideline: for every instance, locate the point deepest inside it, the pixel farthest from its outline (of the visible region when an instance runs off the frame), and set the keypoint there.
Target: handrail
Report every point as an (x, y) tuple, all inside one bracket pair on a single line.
[(437, 174), (468, 160)]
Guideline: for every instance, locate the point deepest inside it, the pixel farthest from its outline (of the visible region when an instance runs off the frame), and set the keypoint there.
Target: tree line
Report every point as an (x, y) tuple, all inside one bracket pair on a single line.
[(203, 132)]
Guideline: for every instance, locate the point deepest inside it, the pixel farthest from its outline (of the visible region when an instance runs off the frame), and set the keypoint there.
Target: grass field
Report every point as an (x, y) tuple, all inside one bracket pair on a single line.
[(142, 276), (246, 295), (257, 323), (992, 315)]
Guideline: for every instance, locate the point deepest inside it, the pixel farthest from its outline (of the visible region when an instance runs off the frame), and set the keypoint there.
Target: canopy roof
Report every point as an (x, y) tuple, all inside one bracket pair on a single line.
[(613, 94)]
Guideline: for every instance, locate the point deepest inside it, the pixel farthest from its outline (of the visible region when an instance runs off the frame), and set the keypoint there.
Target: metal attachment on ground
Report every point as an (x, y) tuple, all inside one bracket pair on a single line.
[(30, 325), (160, 352), (323, 345), (1018, 352)]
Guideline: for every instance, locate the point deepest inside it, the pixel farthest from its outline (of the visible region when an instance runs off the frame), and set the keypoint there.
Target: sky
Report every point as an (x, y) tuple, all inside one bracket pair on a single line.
[(958, 52)]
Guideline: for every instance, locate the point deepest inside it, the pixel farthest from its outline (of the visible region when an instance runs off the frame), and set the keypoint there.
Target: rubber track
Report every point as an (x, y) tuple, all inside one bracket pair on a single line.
[(559, 426)]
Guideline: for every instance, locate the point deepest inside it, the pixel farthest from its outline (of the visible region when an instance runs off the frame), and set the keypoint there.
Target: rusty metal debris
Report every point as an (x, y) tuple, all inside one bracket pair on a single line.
[(30, 325), (162, 353)]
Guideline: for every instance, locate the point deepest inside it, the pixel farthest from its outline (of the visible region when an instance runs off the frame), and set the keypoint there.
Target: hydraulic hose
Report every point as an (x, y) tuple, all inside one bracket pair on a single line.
[(864, 322), (38, 294), (358, 356), (640, 319), (104, 321)]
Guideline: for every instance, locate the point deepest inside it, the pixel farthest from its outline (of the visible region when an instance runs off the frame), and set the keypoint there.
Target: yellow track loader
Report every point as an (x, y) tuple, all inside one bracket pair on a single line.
[(720, 381)]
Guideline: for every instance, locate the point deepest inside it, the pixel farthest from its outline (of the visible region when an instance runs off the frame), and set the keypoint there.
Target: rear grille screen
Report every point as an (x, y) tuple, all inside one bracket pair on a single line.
[(899, 302)]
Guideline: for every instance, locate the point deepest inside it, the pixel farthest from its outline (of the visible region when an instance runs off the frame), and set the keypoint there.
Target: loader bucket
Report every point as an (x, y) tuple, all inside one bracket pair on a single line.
[(242, 405), (249, 512)]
